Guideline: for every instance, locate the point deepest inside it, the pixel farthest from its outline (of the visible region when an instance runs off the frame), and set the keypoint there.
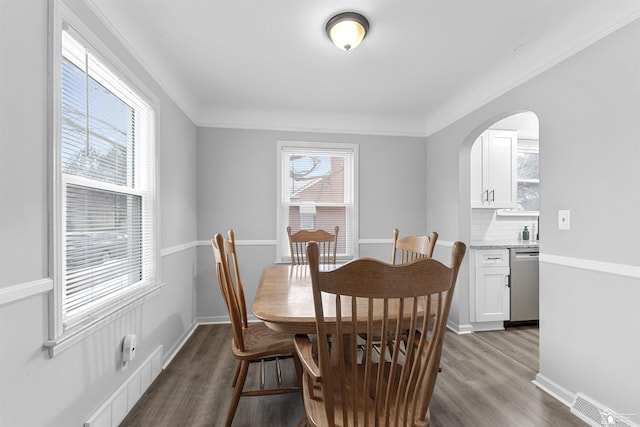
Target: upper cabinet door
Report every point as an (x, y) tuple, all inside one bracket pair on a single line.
[(478, 178), (502, 168), (493, 170)]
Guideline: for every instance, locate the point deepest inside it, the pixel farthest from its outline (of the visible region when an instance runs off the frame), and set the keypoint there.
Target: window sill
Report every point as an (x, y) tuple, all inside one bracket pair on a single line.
[(508, 212), (78, 333)]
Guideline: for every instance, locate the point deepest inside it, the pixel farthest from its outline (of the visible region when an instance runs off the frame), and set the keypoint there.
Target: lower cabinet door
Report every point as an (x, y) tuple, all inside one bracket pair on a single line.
[(492, 294)]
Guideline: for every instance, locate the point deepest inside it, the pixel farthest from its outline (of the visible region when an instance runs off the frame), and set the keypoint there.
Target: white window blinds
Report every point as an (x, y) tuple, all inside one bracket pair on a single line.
[(107, 185), (317, 192)]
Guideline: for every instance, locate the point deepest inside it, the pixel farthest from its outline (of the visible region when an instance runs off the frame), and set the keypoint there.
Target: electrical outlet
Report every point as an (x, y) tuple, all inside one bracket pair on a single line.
[(128, 349), (564, 220)]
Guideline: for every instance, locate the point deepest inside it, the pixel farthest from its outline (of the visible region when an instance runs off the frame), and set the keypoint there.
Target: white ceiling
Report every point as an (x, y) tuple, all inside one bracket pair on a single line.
[(268, 64)]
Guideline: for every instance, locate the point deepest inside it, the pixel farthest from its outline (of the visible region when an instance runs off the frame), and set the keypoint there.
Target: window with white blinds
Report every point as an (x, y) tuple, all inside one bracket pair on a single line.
[(105, 186), (317, 190)]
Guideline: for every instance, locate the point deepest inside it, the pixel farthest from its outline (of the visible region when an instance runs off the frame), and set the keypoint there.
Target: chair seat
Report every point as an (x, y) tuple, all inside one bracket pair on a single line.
[(260, 341), (315, 408)]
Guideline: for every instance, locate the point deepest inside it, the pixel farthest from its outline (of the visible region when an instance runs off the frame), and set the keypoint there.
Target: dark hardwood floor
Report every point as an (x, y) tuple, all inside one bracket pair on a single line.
[(485, 381)]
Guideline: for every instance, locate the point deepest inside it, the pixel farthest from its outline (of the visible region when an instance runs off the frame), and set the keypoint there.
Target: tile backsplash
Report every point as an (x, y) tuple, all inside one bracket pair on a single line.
[(487, 225)]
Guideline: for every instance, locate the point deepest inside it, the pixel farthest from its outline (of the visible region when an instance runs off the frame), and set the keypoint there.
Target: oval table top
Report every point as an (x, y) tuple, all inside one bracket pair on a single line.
[(284, 300)]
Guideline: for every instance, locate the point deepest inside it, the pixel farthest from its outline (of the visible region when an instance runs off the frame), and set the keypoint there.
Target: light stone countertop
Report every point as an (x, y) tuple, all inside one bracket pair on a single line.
[(503, 244)]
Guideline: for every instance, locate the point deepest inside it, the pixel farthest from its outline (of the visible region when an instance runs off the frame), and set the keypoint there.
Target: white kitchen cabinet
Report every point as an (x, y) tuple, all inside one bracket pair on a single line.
[(493, 170), (490, 287)]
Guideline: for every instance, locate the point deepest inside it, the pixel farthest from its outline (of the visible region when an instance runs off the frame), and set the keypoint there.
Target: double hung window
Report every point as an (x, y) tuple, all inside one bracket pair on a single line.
[(104, 191), (317, 190)]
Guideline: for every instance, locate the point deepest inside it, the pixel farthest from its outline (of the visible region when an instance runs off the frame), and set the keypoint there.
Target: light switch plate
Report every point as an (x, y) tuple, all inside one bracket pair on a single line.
[(564, 220)]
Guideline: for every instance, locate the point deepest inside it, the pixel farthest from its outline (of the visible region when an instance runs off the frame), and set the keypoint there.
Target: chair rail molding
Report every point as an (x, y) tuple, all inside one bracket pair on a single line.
[(587, 264), (177, 248), (25, 290), (243, 243)]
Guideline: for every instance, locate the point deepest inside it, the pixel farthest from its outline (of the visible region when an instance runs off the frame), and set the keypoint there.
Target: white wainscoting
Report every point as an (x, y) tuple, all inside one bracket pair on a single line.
[(121, 401)]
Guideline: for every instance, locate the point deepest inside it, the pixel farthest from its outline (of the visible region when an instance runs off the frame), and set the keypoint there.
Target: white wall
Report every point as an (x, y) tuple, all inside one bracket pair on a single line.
[(36, 390), (588, 108)]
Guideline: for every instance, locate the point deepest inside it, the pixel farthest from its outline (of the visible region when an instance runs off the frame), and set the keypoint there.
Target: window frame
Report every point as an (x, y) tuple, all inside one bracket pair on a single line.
[(351, 233), (530, 146), (61, 338)]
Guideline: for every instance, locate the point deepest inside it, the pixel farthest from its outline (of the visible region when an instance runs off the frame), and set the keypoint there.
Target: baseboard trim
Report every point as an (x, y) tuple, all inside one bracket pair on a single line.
[(178, 346), (459, 329), (497, 325), (554, 390)]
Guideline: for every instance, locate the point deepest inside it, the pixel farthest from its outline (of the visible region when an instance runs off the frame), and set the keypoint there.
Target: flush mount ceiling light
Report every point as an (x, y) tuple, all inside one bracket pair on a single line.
[(346, 30)]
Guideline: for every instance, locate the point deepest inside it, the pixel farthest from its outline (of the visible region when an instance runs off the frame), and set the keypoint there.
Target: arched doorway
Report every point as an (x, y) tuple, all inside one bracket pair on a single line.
[(504, 223), (498, 215), (501, 218)]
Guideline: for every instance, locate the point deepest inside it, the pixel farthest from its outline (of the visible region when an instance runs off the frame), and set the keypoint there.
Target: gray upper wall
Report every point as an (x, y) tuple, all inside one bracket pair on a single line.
[(237, 182)]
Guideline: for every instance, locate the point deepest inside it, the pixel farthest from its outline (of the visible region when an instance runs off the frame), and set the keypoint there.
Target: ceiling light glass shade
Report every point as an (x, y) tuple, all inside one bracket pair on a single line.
[(346, 30)]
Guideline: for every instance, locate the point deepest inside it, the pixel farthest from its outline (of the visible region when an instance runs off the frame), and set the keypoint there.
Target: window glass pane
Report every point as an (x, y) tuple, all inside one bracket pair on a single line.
[(111, 126), (316, 178), (528, 196), (528, 165), (101, 152), (74, 118), (528, 169), (316, 185), (103, 244)]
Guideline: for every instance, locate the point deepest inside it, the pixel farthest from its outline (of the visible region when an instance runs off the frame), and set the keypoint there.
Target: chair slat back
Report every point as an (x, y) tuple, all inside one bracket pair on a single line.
[(412, 247), (327, 242), (228, 274), (391, 384)]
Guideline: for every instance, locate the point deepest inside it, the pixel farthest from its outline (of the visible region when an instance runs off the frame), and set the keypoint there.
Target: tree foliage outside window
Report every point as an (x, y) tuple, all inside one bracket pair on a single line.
[(528, 167)]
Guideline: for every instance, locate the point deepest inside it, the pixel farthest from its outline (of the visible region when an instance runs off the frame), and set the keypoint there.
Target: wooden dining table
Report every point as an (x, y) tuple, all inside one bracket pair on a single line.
[(284, 301)]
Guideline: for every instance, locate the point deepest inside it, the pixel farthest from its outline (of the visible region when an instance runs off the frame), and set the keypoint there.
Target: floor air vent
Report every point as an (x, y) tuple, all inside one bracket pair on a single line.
[(596, 415)]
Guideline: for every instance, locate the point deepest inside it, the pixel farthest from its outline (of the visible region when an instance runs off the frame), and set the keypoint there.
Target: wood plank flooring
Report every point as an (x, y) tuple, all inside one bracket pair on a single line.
[(485, 381)]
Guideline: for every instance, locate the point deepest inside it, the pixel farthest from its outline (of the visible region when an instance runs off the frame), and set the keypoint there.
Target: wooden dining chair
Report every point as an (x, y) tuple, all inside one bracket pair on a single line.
[(251, 342), (395, 389), (328, 245), (411, 247)]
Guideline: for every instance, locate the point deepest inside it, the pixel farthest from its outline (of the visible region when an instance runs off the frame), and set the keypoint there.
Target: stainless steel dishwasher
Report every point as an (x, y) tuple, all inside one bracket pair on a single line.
[(524, 284)]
